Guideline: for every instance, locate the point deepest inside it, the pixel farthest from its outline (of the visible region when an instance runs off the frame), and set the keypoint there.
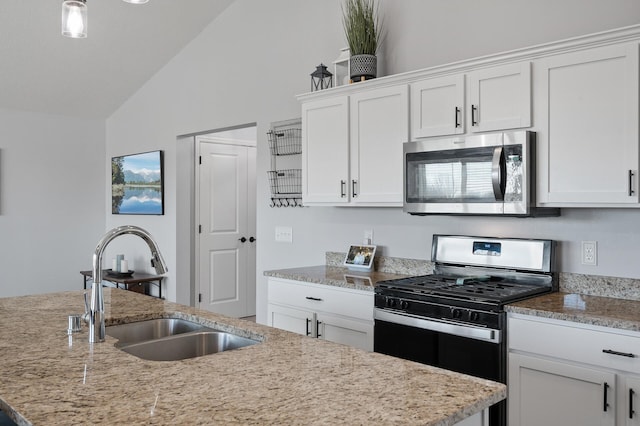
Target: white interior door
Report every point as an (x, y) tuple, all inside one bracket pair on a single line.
[(226, 254)]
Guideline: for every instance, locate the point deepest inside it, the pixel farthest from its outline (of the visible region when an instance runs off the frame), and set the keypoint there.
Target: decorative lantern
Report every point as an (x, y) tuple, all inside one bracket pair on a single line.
[(321, 78)]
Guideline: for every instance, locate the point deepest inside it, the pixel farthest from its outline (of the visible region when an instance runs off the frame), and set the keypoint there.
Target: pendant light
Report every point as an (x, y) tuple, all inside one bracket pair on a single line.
[(74, 18)]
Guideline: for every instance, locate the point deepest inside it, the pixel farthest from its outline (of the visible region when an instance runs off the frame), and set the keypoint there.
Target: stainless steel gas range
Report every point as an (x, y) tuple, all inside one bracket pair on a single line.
[(455, 317)]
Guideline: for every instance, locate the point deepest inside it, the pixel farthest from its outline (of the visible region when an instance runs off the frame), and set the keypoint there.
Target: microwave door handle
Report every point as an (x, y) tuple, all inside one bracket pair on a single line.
[(497, 173)]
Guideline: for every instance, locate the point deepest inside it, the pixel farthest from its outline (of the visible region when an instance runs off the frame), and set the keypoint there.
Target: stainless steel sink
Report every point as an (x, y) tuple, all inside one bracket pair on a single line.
[(172, 339), (187, 345), (142, 331)]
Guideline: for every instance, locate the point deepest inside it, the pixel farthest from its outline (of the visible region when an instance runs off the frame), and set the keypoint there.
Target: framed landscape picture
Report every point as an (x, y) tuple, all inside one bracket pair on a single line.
[(137, 184)]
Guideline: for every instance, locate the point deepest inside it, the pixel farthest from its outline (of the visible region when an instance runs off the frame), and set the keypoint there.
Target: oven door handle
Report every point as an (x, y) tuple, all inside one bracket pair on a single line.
[(442, 326)]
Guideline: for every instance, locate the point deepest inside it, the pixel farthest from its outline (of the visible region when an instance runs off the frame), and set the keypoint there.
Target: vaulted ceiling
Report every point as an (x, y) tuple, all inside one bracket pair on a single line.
[(42, 71)]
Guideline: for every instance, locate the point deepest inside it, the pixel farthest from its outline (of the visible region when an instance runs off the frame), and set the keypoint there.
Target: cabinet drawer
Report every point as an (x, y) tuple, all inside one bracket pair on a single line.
[(576, 342), (318, 297)]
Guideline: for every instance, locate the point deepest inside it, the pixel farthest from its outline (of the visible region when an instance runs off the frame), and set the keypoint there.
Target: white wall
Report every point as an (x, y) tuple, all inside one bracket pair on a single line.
[(248, 65), (51, 201)]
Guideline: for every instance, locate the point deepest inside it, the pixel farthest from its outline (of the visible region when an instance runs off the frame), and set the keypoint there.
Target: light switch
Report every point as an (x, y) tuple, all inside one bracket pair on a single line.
[(284, 234)]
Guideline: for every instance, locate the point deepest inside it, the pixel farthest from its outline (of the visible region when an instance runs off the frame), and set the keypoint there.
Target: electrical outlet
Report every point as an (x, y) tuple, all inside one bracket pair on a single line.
[(368, 236), (590, 253), (284, 234)]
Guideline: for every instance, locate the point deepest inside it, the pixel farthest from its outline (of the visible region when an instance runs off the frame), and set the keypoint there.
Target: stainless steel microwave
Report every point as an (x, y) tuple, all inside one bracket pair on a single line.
[(488, 174)]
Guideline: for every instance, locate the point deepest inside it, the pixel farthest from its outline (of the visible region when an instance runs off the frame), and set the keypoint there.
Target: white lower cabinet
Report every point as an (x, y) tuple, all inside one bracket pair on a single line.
[(544, 392), (564, 373), (630, 394), (336, 314)]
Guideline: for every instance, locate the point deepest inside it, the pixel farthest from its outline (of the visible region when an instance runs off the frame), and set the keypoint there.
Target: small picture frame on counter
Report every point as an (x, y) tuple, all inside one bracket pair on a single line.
[(360, 257)]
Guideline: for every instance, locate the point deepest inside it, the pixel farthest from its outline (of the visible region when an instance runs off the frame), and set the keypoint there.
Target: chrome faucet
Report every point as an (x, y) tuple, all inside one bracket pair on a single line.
[(96, 308)]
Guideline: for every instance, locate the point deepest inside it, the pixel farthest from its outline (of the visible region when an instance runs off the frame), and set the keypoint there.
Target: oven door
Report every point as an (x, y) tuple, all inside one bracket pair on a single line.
[(465, 349)]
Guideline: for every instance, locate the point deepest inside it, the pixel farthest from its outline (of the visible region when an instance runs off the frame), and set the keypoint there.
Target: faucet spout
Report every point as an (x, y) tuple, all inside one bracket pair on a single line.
[(96, 307)]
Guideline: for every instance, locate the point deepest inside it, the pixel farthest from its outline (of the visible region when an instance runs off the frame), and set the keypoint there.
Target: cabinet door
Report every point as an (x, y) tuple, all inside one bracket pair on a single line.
[(544, 392), (290, 319), (630, 401), (379, 126), (588, 143), (347, 331), (437, 107), (325, 151), (500, 97)]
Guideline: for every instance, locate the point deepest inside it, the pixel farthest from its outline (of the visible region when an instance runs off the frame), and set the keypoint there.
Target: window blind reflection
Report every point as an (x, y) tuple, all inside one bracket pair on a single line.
[(442, 181)]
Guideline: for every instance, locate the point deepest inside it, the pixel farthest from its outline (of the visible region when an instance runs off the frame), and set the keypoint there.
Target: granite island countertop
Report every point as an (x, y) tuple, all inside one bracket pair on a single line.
[(51, 378), (591, 310)]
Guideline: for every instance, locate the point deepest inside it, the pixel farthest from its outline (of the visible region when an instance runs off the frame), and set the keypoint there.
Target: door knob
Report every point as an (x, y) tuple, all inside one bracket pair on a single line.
[(242, 240), (251, 239)]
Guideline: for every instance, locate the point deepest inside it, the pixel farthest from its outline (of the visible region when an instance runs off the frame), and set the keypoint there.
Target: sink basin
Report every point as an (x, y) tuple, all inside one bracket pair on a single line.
[(185, 346), (142, 331), (172, 339)]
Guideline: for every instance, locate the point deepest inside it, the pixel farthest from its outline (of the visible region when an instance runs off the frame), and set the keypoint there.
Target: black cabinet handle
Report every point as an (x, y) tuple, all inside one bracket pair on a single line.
[(474, 110), (316, 299), (252, 239), (631, 412), (318, 328), (353, 188), (625, 354), (631, 191), (343, 184), (242, 240), (457, 117), (308, 322), (606, 389)]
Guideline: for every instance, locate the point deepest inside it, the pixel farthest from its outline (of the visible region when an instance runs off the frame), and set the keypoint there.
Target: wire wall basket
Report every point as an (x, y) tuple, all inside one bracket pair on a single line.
[(285, 182), (286, 187), (285, 141)]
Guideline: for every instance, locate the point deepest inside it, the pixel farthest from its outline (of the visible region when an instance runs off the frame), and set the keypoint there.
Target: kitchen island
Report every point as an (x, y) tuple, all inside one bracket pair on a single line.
[(51, 378)]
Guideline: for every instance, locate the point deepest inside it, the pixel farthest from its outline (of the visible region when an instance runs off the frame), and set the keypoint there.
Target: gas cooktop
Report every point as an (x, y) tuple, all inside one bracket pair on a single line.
[(483, 288)]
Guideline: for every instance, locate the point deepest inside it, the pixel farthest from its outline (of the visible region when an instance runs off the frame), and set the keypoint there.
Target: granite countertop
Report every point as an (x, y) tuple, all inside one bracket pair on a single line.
[(580, 308), (51, 378), (337, 276), (597, 310)]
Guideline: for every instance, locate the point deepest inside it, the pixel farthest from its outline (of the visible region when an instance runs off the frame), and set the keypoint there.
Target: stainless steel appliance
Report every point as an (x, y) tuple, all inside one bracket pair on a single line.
[(455, 318), (489, 174)]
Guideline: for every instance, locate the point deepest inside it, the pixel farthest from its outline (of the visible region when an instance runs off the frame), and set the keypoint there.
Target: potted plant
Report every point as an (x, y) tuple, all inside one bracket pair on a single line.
[(362, 28)]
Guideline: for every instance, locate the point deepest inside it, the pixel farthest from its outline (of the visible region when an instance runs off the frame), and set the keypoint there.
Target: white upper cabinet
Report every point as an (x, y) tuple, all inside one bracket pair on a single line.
[(437, 107), (325, 151), (580, 96), (379, 126), (500, 97), (352, 148), (588, 118)]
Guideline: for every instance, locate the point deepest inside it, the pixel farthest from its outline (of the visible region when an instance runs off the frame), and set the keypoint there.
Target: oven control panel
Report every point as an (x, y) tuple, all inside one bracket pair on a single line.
[(442, 311)]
